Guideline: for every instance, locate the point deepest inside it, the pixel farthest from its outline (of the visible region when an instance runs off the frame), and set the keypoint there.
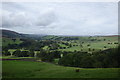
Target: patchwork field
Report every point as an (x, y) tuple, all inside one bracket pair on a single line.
[(18, 67), (96, 43)]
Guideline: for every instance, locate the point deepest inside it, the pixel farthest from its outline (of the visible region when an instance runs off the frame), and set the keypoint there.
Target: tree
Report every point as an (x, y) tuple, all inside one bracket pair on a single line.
[(56, 54), (48, 58), (66, 60), (17, 53), (24, 54), (81, 45), (104, 39), (72, 59), (87, 62), (14, 40), (6, 53), (31, 53), (97, 64), (82, 42), (109, 58), (81, 49), (105, 47), (45, 56), (88, 45), (89, 49)]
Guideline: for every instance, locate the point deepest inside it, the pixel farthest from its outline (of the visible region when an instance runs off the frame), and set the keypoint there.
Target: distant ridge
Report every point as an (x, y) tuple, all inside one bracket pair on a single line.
[(10, 34), (86, 35), (13, 34), (111, 36)]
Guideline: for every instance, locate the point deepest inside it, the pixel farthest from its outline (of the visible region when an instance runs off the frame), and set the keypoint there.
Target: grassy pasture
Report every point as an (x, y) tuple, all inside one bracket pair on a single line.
[(13, 57), (98, 44), (6, 41), (26, 69)]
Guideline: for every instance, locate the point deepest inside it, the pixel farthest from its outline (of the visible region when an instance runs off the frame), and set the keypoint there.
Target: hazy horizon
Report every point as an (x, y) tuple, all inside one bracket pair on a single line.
[(61, 18)]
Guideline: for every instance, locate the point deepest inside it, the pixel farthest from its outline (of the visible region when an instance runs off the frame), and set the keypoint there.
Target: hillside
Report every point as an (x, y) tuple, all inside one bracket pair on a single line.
[(10, 34), (13, 34)]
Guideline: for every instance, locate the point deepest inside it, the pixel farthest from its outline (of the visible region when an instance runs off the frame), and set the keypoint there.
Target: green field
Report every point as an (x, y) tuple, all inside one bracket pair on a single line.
[(32, 69), (97, 45), (6, 41), (26, 69)]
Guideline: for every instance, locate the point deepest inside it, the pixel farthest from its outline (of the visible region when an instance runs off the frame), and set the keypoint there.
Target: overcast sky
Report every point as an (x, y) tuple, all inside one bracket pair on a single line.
[(61, 18)]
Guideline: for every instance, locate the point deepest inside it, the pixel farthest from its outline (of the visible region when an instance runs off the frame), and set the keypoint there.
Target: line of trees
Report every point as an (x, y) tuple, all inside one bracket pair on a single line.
[(48, 56), (6, 53), (19, 53), (101, 59), (36, 45)]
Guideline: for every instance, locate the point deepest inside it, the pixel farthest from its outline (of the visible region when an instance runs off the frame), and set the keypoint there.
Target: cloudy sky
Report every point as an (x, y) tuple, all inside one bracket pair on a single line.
[(61, 18)]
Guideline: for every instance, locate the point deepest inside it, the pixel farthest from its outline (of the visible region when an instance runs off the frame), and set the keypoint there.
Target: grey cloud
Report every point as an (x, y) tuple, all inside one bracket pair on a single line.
[(18, 19), (46, 19), (61, 18)]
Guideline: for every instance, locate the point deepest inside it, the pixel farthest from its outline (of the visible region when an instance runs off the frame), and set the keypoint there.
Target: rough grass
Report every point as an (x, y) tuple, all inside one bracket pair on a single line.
[(26, 69)]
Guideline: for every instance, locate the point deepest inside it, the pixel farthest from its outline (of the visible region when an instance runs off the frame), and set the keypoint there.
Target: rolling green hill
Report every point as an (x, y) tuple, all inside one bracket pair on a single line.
[(49, 43)]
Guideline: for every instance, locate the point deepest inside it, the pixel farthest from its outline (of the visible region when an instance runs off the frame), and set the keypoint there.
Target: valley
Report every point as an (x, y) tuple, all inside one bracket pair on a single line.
[(62, 54)]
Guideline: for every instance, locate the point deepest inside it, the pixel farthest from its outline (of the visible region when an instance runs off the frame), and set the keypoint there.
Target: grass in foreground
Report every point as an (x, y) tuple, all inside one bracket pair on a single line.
[(26, 69)]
